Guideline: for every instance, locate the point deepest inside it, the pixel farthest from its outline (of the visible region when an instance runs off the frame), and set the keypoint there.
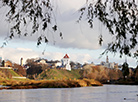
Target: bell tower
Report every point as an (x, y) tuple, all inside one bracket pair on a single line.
[(66, 62), (107, 60)]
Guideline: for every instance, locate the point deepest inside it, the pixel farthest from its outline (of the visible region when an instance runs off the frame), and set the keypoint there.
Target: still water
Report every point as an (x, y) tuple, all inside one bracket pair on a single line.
[(106, 93)]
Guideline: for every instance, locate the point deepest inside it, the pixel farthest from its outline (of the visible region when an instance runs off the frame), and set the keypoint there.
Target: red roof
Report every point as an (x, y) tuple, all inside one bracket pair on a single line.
[(66, 56)]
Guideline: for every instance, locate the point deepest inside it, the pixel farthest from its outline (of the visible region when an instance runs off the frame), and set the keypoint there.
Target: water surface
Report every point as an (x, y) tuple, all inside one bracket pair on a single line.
[(106, 93)]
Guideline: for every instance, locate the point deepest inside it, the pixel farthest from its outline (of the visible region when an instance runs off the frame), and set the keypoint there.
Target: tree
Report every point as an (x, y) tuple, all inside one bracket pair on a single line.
[(45, 66), (136, 73), (72, 64), (34, 70), (19, 70), (120, 17), (30, 62), (25, 13), (125, 70), (3, 63)]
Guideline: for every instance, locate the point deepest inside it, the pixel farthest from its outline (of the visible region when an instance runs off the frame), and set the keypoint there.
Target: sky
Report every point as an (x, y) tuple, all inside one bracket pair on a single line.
[(79, 41)]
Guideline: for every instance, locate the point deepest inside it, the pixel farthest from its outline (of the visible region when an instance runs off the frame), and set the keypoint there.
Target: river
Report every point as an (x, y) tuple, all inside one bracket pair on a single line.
[(106, 93)]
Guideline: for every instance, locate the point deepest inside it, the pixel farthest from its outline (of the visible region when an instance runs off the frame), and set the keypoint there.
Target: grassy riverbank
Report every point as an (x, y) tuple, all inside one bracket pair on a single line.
[(7, 74), (56, 74), (27, 84)]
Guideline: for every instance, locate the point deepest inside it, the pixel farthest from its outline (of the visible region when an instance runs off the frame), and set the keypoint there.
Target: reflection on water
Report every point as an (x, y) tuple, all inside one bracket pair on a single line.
[(106, 93)]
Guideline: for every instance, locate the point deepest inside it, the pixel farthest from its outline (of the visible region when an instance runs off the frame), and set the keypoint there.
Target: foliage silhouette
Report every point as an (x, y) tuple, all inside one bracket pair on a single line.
[(125, 70), (120, 17)]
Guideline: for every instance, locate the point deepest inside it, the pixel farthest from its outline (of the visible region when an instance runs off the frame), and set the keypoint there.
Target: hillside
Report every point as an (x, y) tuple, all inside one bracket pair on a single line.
[(89, 71), (59, 74), (100, 73), (7, 73)]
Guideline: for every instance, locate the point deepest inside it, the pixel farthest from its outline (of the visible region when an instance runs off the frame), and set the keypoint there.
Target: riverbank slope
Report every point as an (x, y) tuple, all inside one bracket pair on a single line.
[(29, 84)]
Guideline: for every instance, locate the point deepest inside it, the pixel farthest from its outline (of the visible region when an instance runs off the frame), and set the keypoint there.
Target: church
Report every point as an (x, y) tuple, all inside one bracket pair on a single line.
[(66, 62), (109, 64)]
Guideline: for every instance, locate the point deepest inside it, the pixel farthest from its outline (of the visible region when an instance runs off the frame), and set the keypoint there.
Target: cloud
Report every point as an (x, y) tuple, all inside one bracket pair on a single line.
[(78, 35), (15, 54), (65, 5), (81, 58), (75, 35), (53, 55), (24, 49)]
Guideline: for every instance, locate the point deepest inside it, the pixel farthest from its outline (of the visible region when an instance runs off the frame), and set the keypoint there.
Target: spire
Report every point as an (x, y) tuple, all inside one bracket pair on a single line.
[(107, 60)]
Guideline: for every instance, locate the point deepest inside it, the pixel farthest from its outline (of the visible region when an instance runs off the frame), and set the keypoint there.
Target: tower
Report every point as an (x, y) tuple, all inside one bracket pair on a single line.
[(21, 62), (107, 60), (66, 62)]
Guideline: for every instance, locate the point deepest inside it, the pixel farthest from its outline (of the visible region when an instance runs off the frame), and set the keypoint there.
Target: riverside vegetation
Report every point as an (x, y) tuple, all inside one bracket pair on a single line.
[(52, 78), (27, 84), (89, 75)]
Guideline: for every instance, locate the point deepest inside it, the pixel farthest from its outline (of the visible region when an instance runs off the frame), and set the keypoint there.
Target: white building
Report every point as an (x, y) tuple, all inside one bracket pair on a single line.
[(58, 64), (66, 62), (42, 61), (109, 65)]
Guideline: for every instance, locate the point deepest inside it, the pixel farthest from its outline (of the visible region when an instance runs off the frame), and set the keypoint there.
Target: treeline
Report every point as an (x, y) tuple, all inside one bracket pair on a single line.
[(100, 73), (89, 71)]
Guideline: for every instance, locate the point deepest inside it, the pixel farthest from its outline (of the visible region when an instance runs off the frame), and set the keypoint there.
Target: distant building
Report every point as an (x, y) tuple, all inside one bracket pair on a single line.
[(21, 62), (63, 64), (58, 64), (54, 64), (108, 64), (41, 61), (8, 63), (107, 60), (66, 62)]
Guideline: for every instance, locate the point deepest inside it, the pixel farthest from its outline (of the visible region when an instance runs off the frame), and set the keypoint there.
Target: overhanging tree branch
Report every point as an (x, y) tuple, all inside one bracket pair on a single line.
[(36, 13), (120, 17)]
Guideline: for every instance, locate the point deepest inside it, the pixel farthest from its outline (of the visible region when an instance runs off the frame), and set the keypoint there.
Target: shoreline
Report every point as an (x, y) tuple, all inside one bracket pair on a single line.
[(122, 82), (32, 84)]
